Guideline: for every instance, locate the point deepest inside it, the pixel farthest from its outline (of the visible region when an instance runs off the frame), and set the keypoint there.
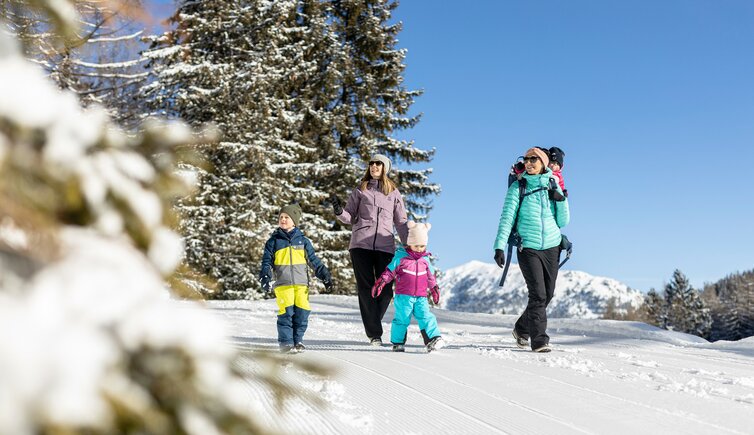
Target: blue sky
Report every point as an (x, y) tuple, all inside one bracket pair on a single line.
[(653, 103)]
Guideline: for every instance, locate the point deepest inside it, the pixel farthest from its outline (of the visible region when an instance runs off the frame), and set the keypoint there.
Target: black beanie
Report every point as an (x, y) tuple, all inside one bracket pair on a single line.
[(557, 155), (294, 211)]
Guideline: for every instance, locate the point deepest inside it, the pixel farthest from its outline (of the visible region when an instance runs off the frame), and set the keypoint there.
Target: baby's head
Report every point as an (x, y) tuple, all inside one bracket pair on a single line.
[(418, 236), (556, 158)]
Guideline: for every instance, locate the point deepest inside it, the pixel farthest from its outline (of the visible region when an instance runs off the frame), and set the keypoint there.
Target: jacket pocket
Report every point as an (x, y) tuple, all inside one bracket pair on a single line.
[(363, 226)]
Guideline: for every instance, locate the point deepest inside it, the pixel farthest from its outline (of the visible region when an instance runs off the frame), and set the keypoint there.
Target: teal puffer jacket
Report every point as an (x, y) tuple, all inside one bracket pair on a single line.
[(539, 220)]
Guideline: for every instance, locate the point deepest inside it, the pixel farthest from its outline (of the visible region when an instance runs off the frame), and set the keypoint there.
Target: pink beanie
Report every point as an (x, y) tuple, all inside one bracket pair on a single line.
[(417, 233), (539, 153)]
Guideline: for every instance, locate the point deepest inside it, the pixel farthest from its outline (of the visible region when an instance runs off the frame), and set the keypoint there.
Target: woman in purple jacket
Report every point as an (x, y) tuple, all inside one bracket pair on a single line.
[(372, 210)]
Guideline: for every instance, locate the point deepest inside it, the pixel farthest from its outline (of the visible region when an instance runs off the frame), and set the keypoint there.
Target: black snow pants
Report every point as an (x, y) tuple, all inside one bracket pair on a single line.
[(368, 265), (540, 270)]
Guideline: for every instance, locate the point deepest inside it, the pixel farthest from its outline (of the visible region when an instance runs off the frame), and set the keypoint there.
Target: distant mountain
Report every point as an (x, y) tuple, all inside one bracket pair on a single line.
[(473, 287)]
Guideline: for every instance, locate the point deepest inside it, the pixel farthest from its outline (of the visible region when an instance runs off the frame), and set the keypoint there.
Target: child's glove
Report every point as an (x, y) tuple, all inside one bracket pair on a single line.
[(328, 286), (435, 291), (378, 286), (265, 279), (518, 168)]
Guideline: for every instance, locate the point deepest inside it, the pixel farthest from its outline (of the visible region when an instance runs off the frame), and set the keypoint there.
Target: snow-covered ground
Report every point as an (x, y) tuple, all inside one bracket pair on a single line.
[(602, 377)]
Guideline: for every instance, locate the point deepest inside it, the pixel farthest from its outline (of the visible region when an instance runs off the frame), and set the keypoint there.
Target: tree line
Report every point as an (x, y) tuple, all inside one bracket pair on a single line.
[(720, 311)]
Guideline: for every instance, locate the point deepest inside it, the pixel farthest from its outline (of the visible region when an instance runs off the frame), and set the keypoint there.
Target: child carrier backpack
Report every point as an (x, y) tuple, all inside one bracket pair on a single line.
[(516, 176)]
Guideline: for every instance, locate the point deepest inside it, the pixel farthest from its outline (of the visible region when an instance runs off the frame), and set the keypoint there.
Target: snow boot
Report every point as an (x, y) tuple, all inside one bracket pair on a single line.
[(543, 349), (435, 343), (376, 342), (399, 348), (286, 348), (299, 347), (521, 342)]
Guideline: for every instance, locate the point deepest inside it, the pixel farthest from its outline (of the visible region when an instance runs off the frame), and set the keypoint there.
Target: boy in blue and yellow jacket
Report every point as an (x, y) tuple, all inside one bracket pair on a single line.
[(287, 255)]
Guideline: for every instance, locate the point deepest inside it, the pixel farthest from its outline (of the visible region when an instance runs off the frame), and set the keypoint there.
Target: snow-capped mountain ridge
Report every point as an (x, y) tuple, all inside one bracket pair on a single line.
[(473, 287)]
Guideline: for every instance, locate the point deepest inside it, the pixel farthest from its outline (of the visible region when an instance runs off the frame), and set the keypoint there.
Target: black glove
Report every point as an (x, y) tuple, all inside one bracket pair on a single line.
[(337, 207), (328, 286), (500, 257), (266, 282), (556, 196)]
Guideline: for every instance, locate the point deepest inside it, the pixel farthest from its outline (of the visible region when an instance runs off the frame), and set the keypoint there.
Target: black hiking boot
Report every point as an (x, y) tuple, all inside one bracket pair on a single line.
[(521, 342)]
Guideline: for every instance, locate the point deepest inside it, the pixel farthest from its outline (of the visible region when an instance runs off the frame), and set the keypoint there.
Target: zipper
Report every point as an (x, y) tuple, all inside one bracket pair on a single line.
[(416, 277), (290, 253), (377, 227), (542, 215)]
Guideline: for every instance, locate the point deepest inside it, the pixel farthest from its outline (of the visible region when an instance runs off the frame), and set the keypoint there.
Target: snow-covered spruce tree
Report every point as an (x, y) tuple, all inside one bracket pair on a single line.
[(680, 308), (370, 107), (686, 311), (301, 98), (205, 70), (653, 310), (373, 104), (100, 62), (91, 342), (731, 301)]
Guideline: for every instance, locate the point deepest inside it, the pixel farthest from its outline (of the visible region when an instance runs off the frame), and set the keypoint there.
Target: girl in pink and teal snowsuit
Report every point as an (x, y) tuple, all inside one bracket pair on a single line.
[(415, 279)]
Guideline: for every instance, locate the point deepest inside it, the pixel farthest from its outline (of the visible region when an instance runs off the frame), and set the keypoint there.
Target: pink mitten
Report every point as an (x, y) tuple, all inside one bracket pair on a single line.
[(435, 291), (378, 286)]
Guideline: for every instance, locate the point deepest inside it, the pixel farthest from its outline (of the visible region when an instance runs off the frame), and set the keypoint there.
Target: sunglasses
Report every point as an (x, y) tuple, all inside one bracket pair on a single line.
[(375, 163), (531, 159)]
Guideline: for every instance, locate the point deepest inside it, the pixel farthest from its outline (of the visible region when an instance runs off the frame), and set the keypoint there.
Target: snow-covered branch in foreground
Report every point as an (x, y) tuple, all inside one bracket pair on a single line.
[(93, 341)]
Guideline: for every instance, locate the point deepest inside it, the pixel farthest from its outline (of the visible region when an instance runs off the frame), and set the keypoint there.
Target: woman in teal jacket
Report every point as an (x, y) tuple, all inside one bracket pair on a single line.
[(539, 221)]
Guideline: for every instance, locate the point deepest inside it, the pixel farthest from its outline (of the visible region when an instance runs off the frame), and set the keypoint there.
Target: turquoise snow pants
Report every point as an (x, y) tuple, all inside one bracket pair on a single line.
[(405, 307)]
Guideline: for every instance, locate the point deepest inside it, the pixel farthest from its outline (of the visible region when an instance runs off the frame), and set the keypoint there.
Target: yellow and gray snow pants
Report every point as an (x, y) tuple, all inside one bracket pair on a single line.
[(293, 313)]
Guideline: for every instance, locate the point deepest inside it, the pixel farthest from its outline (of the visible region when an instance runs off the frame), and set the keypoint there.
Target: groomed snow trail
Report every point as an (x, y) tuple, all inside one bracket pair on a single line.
[(592, 383)]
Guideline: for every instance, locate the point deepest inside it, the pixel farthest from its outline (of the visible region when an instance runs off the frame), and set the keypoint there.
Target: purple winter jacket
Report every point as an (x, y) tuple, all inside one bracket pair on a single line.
[(413, 274), (372, 216)]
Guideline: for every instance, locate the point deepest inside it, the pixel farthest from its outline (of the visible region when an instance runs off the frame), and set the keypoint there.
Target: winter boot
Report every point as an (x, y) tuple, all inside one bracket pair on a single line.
[(399, 348), (299, 347), (435, 343), (376, 342), (542, 349), (286, 348), (521, 342)]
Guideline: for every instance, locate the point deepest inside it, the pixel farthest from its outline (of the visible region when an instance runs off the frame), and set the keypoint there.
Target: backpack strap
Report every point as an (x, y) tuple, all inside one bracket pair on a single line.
[(521, 190), (515, 239)]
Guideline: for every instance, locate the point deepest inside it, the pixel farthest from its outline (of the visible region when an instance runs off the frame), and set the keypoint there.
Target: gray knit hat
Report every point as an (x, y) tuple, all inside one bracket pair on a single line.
[(385, 161), (294, 211)]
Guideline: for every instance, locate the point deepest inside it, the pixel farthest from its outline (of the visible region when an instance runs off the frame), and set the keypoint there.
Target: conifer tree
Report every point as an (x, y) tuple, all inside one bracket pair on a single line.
[(680, 308), (654, 308), (303, 91), (732, 306), (98, 60), (205, 71), (374, 104)]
